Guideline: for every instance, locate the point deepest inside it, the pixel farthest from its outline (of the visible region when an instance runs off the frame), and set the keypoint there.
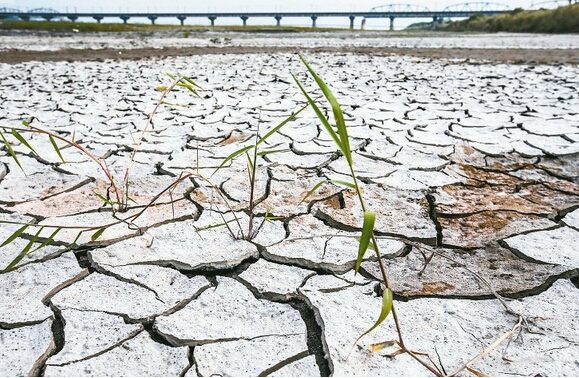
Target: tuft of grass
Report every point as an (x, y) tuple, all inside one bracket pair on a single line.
[(252, 152), (119, 202)]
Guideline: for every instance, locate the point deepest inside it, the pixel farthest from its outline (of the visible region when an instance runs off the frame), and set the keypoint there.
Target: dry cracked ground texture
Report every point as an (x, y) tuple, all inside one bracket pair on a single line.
[(478, 162)]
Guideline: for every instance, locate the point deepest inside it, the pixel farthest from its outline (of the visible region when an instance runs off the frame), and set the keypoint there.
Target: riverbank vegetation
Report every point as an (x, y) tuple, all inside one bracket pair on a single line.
[(560, 20)]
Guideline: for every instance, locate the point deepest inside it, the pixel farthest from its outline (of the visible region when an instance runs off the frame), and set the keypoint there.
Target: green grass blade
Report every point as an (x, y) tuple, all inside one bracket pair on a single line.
[(313, 190), (249, 167), (336, 109), (15, 235), (73, 244), (321, 116), (48, 240), (24, 251), (343, 183), (335, 182), (232, 156), (11, 151), (188, 87), (367, 232), (98, 234), (188, 79), (279, 126), (105, 200), (56, 148), (245, 149), (272, 151), (213, 226), (387, 304), (249, 162), (18, 136)]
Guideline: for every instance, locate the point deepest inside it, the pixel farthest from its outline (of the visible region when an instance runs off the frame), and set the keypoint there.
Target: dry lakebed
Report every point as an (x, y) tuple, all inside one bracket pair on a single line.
[(470, 162)]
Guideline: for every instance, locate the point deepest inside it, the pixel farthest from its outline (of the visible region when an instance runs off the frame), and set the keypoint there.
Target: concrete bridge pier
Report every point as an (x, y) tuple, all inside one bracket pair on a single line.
[(98, 18), (244, 19), (352, 18), (72, 18), (314, 18), (47, 18), (434, 23), (25, 18), (212, 19), (125, 19), (181, 19), (278, 20), (391, 23), (152, 18)]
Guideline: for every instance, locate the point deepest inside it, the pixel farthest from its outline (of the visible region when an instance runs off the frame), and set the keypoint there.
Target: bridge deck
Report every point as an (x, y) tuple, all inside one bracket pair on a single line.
[(422, 14)]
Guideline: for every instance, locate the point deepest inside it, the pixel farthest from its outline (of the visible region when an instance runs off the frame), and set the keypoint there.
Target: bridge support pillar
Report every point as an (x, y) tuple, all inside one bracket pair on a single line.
[(391, 23), (47, 18), (72, 18), (277, 20), (152, 18), (181, 19), (434, 23), (314, 18), (25, 18), (98, 18), (352, 18), (212, 19), (244, 19), (125, 19)]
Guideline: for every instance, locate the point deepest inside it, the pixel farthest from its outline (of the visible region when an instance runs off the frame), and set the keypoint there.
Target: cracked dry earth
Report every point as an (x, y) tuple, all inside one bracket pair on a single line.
[(478, 162)]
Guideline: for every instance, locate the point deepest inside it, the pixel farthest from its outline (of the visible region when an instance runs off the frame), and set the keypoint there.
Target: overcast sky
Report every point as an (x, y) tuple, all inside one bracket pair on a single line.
[(242, 5)]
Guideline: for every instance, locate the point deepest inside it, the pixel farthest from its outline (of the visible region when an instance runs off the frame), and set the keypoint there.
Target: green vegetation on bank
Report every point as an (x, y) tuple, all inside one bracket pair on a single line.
[(87, 27), (560, 20)]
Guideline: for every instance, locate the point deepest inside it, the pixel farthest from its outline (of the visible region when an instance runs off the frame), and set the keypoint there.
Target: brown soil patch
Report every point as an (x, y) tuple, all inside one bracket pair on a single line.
[(526, 56)]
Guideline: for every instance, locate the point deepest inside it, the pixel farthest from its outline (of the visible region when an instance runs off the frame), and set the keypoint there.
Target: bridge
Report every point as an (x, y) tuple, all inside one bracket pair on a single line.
[(391, 11)]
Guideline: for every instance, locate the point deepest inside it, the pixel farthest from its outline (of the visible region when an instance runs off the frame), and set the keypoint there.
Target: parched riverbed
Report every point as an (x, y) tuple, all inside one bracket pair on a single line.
[(470, 167)]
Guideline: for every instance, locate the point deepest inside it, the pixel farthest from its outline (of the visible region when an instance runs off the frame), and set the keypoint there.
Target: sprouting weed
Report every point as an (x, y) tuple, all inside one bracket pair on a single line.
[(252, 152)]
